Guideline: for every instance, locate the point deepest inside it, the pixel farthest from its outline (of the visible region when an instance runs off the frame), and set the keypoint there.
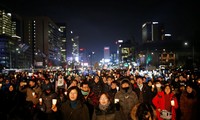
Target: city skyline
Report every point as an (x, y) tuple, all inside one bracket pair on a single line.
[(102, 23)]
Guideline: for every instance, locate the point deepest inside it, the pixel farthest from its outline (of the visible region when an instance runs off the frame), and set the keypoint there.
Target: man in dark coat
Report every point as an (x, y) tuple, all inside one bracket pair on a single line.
[(143, 92)]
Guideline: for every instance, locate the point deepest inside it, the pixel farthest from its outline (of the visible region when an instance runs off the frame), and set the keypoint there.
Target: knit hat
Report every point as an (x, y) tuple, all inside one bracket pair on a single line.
[(125, 81)]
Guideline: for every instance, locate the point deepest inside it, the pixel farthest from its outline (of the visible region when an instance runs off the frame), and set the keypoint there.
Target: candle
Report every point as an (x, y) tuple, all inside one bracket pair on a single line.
[(33, 93), (172, 102), (116, 100), (40, 99), (117, 88), (54, 101)]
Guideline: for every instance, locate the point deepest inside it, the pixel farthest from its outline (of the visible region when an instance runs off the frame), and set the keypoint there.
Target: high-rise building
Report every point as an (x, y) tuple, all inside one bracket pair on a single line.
[(23, 58), (83, 55), (44, 36), (107, 54), (75, 48), (152, 31), (63, 37), (5, 23), (7, 44)]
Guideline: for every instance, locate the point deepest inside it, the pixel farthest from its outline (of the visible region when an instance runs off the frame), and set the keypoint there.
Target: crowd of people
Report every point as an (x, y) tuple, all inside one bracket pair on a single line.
[(104, 95)]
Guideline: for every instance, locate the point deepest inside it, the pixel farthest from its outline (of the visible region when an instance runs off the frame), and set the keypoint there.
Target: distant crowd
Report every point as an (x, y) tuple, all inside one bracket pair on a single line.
[(114, 94)]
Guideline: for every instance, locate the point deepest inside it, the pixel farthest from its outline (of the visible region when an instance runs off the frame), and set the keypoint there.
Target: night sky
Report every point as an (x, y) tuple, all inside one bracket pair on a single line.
[(100, 23)]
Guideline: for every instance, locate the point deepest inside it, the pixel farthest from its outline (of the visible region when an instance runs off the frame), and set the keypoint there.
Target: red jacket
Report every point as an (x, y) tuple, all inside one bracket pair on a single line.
[(159, 103)]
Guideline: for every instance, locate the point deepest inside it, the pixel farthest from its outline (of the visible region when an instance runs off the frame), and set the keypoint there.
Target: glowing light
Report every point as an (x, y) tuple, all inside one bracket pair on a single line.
[(168, 35), (120, 41), (155, 22)]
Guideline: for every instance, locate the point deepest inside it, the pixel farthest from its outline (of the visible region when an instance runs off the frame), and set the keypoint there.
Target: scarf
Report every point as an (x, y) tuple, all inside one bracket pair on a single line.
[(104, 107), (73, 104)]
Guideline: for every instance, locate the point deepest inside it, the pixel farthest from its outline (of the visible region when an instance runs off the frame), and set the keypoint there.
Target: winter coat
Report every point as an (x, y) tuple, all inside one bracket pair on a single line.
[(79, 113), (29, 91), (127, 101), (97, 88), (91, 101), (145, 95), (159, 103), (108, 114), (47, 101), (189, 106)]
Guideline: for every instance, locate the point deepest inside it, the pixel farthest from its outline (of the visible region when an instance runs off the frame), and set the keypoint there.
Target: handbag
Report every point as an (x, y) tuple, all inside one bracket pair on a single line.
[(166, 115)]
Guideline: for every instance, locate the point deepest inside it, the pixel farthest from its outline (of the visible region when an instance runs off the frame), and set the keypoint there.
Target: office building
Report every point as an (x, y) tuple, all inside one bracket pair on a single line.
[(44, 36), (152, 31)]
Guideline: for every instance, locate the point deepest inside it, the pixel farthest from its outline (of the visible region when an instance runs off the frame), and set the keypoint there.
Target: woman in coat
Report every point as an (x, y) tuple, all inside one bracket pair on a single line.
[(105, 110), (165, 103), (143, 111), (189, 104), (73, 108)]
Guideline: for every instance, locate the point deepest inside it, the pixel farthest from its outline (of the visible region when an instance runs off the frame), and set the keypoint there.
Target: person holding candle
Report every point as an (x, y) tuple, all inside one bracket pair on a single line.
[(166, 104), (106, 109), (143, 111), (74, 108), (47, 100), (189, 103), (127, 98), (33, 92), (143, 91)]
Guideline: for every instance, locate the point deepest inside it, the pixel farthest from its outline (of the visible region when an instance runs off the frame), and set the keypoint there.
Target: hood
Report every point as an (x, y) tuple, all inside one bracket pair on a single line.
[(125, 80)]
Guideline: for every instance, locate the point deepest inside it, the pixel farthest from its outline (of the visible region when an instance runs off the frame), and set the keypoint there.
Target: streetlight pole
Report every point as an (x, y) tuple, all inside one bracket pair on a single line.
[(92, 59), (193, 52)]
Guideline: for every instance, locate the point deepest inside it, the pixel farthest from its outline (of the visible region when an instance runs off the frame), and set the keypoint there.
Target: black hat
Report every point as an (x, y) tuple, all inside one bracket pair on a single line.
[(125, 81)]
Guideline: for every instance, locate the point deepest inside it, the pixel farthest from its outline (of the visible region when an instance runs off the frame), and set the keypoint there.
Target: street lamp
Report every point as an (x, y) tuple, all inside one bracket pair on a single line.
[(186, 44), (92, 58)]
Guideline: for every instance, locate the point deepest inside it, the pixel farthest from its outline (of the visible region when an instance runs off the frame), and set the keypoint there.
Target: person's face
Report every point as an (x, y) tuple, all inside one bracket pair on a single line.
[(132, 81), (149, 83), (159, 78), (46, 81), (103, 99), (1, 79), (167, 90), (104, 80), (113, 86), (125, 85), (74, 83), (182, 88), (51, 76), (73, 95), (96, 79), (189, 89), (109, 81), (181, 78), (48, 91), (60, 77), (158, 84), (31, 83), (176, 79), (85, 87), (7, 82), (140, 81), (11, 88)]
